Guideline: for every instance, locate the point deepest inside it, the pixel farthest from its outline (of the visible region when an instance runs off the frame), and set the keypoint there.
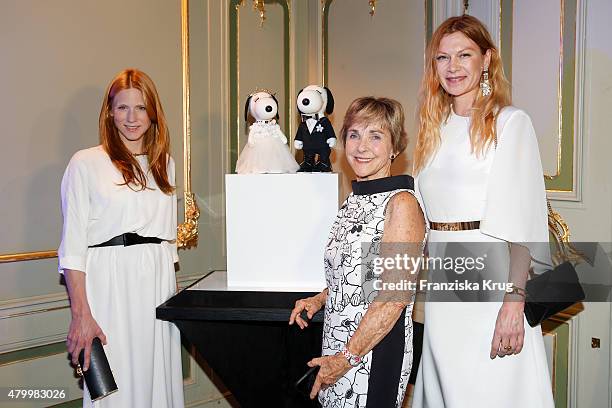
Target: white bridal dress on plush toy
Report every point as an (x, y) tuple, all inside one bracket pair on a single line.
[(266, 151), (504, 189)]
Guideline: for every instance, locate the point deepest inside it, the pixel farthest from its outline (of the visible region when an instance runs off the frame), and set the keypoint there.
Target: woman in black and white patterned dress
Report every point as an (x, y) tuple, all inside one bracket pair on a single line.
[(367, 334)]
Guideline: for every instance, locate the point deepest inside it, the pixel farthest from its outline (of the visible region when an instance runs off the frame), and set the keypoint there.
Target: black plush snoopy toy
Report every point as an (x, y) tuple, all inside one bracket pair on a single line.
[(315, 134)]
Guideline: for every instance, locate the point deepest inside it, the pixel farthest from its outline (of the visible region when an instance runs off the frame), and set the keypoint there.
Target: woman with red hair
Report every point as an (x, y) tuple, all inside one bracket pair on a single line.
[(118, 247)]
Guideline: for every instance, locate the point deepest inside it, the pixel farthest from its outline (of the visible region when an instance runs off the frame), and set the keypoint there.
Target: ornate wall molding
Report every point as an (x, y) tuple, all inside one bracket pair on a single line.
[(236, 117), (187, 233), (564, 181)]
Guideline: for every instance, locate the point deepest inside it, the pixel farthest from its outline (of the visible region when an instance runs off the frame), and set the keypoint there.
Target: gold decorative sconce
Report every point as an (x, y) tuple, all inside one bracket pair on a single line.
[(372, 4)]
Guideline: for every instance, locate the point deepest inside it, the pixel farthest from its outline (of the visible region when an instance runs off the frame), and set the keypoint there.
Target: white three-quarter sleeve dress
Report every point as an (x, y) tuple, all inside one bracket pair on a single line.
[(124, 285), (504, 190)]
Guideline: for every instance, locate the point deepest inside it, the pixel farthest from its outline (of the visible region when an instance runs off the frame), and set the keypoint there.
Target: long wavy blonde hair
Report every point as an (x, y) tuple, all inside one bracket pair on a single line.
[(435, 102)]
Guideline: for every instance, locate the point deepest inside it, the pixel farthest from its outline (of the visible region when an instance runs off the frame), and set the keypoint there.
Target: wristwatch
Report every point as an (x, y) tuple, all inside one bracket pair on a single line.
[(353, 359)]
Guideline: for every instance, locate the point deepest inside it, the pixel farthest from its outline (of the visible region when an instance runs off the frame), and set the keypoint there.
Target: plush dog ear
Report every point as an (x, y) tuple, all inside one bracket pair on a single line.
[(276, 100), (246, 108), (329, 107), (297, 98)]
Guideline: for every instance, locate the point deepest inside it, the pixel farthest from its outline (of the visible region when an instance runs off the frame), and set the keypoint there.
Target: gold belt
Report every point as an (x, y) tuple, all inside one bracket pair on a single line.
[(455, 226)]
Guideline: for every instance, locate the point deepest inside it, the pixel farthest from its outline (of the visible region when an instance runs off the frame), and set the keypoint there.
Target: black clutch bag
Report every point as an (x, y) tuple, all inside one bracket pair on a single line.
[(551, 292), (99, 377)]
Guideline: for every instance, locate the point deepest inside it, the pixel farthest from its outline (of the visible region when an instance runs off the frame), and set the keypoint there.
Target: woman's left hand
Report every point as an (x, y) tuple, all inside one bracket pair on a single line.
[(332, 368), (509, 329)]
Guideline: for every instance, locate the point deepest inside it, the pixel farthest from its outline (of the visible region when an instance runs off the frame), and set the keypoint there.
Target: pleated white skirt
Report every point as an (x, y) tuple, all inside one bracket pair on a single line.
[(124, 286)]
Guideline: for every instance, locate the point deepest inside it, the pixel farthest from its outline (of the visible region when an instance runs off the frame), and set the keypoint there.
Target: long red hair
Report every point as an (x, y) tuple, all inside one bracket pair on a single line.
[(156, 140), (434, 103)]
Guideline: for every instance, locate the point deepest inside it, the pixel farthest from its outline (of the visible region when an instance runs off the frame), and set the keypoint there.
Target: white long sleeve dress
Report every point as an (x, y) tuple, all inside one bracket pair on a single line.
[(124, 285), (504, 190)]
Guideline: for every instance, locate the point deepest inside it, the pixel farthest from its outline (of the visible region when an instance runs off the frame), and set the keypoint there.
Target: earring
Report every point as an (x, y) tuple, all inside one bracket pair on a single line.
[(393, 156), (485, 85)]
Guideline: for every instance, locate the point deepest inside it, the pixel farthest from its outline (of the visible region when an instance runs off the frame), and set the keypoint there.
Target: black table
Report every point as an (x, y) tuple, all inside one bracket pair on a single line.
[(245, 338)]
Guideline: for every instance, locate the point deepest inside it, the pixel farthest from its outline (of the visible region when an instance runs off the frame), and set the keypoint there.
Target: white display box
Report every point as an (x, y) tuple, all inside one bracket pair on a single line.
[(277, 229)]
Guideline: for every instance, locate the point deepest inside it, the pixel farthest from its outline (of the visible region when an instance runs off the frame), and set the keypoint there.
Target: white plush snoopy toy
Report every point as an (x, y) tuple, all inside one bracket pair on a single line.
[(266, 150), (315, 134)]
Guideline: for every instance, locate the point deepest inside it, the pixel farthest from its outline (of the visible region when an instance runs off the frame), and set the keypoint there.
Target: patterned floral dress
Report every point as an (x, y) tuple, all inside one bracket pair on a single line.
[(381, 378)]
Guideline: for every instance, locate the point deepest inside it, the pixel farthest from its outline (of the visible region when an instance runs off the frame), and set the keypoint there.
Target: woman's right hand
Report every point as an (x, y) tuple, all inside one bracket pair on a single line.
[(83, 329), (311, 305)]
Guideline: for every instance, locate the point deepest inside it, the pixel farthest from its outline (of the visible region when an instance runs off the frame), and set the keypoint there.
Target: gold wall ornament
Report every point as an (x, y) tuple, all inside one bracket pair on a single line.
[(372, 4), (259, 6), (187, 232), (560, 232)]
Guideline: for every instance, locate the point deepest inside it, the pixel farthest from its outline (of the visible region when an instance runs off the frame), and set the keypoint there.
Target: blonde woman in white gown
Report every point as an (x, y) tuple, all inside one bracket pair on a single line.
[(480, 179)]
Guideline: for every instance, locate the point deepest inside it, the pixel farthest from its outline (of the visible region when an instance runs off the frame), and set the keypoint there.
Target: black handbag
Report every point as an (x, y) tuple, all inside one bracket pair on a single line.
[(551, 292), (99, 377), (556, 289)]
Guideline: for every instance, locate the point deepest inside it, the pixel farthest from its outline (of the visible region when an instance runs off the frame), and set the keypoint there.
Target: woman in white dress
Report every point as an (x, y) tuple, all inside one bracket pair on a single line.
[(367, 330), (124, 189), (480, 179)]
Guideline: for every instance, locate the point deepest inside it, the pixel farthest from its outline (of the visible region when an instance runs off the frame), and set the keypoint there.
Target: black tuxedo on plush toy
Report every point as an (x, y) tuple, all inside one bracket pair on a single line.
[(315, 142), (315, 134)]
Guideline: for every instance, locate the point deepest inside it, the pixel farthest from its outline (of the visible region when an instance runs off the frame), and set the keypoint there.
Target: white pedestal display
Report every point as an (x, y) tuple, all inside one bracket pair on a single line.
[(277, 228)]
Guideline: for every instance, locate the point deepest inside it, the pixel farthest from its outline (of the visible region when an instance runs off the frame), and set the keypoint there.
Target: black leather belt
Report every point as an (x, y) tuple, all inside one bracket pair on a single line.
[(128, 239)]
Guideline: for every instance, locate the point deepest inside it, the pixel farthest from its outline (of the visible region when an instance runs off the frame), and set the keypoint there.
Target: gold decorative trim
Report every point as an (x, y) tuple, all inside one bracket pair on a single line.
[(187, 232), (563, 179), (28, 256), (559, 93), (324, 43), (237, 134), (554, 336), (568, 313), (372, 5)]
